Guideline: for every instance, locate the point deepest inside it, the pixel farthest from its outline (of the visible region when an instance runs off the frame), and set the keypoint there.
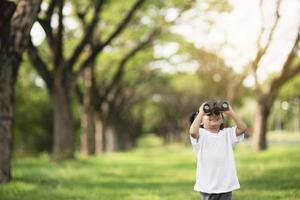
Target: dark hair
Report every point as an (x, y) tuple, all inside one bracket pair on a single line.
[(194, 114)]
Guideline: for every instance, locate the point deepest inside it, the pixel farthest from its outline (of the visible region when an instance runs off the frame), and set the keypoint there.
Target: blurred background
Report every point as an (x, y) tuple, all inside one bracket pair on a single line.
[(111, 83)]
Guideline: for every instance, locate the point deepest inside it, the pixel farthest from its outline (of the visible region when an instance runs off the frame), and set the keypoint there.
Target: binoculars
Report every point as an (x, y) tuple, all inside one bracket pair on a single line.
[(215, 107)]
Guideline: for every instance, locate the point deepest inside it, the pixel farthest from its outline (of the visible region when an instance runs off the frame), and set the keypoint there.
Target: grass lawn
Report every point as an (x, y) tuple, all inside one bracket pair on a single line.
[(152, 173)]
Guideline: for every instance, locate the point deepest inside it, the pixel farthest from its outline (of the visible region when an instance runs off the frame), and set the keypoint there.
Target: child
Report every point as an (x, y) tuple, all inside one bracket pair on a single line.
[(216, 175)]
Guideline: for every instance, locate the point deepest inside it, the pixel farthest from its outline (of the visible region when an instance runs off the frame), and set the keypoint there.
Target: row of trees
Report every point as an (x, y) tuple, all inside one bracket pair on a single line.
[(97, 74), (71, 65)]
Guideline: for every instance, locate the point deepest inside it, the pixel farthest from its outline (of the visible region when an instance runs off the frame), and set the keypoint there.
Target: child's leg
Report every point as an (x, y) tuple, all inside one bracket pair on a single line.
[(220, 196), (226, 196), (205, 196)]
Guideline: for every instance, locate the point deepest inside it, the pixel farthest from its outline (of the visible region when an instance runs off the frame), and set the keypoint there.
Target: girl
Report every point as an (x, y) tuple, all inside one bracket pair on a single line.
[(216, 175)]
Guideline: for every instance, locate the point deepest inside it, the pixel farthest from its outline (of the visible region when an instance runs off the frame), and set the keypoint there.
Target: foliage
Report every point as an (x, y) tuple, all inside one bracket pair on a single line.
[(291, 89), (170, 105), (32, 131), (246, 111)]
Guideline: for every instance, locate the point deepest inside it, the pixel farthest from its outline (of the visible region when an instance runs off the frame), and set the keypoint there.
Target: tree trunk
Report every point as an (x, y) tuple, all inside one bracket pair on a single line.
[(128, 142), (110, 139), (63, 146), (105, 135), (15, 26), (87, 137), (114, 134), (6, 116), (260, 127), (126, 137), (99, 128)]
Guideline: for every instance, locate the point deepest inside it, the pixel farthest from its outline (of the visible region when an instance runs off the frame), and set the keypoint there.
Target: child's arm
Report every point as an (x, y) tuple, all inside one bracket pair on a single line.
[(241, 125), (194, 129)]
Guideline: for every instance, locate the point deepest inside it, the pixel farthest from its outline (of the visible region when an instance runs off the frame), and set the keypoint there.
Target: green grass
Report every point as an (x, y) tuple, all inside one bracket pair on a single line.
[(152, 173)]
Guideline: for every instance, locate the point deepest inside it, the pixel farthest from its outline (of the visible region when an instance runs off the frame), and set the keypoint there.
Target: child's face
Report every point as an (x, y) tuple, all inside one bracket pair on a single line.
[(212, 121)]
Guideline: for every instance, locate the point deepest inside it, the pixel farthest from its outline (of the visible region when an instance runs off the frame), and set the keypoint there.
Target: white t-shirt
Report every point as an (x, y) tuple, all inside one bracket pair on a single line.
[(216, 171)]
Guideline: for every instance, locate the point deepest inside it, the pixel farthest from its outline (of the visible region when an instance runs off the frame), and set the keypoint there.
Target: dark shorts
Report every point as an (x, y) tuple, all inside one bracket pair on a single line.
[(220, 196)]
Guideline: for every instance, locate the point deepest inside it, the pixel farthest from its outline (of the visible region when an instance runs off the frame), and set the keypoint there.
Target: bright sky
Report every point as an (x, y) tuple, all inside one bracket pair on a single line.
[(240, 28)]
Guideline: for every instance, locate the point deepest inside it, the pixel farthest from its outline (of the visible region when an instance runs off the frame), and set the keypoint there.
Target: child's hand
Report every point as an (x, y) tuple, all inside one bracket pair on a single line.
[(241, 126), (230, 111), (201, 111)]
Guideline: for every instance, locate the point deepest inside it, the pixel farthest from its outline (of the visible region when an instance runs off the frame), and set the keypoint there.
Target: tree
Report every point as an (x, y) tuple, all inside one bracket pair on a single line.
[(61, 78), (265, 97), (265, 94), (102, 93), (15, 24)]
